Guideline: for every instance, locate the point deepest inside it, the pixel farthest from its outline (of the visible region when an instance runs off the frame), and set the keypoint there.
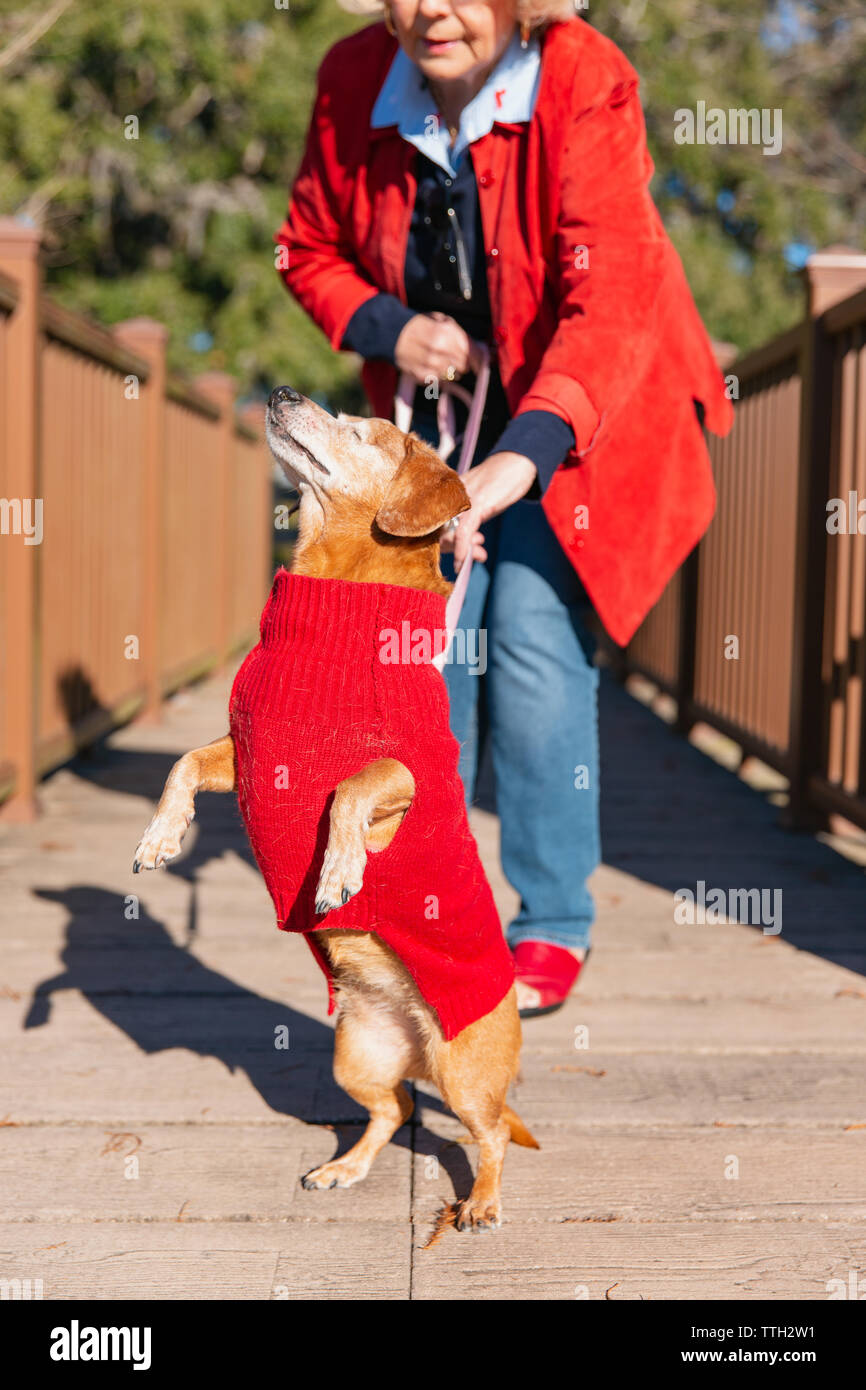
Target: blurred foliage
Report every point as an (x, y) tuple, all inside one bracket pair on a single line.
[(178, 222), (744, 221)]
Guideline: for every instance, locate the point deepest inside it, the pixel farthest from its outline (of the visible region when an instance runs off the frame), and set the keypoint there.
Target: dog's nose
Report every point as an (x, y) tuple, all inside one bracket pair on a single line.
[(284, 395)]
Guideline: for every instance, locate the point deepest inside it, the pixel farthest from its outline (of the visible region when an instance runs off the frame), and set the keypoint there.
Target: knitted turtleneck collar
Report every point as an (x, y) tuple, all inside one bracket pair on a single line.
[(364, 649), (337, 616)]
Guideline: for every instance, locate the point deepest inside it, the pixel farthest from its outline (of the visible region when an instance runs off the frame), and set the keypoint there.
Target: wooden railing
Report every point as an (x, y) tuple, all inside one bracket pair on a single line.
[(153, 559), (837, 778), (761, 633)]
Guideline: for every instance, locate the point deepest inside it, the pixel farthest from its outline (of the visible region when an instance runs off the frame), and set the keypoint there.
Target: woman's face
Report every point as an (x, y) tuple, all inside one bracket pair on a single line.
[(450, 39)]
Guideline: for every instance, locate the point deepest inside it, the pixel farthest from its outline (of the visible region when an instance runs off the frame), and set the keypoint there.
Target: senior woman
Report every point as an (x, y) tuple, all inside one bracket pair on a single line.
[(477, 171)]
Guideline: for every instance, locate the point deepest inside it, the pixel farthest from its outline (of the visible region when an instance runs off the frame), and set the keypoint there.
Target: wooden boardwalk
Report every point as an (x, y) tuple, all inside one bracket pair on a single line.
[(708, 1142)]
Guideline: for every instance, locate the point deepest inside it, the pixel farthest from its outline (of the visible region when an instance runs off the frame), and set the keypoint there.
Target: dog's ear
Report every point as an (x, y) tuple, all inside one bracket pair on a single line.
[(423, 495)]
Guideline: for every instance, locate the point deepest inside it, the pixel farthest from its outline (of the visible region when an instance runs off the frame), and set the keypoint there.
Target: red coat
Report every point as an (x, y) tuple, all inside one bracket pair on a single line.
[(337, 681), (593, 318)]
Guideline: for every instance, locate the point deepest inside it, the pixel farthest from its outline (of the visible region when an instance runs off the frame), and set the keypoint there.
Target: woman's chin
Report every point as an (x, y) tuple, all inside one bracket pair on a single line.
[(444, 60)]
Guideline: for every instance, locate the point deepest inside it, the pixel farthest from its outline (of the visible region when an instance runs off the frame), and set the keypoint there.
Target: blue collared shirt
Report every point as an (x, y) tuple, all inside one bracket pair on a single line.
[(405, 100), (508, 95)]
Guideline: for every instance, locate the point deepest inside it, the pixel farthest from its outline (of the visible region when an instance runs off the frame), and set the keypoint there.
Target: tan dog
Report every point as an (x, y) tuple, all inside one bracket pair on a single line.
[(373, 504)]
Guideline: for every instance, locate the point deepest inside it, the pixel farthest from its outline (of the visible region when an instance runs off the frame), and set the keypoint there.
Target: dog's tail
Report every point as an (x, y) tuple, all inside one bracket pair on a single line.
[(519, 1133)]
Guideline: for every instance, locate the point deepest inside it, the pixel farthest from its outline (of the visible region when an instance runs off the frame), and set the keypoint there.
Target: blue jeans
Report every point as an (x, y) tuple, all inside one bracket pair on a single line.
[(538, 699)]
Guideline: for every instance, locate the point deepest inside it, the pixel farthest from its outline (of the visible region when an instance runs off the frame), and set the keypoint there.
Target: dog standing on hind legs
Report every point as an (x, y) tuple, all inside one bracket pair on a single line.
[(346, 773)]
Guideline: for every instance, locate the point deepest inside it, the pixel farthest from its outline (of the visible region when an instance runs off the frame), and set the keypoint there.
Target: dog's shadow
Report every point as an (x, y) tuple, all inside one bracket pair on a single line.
[(162, 996)]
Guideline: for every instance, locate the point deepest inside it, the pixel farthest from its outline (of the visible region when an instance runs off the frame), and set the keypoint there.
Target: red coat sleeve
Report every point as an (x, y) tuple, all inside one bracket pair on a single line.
[(611, 253), (319, 268)]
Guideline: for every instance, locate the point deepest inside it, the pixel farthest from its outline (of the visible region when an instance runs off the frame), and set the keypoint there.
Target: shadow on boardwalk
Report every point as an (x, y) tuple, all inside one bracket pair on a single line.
[(162, 996), (673, 817)]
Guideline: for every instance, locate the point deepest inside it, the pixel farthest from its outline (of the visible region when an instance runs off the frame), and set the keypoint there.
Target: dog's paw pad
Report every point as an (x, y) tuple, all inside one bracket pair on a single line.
[(479, 1216)]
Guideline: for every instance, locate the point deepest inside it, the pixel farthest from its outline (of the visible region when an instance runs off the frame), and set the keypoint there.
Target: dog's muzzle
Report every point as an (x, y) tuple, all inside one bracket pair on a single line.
[(279, 398), (284, 395)]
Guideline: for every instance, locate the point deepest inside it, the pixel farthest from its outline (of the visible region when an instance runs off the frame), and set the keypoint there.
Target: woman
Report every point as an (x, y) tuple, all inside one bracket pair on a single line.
[(477, 170)]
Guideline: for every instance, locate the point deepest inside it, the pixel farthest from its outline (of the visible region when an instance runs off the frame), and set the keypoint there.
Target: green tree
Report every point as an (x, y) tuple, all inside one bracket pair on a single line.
[(742, 221), (154, 144)]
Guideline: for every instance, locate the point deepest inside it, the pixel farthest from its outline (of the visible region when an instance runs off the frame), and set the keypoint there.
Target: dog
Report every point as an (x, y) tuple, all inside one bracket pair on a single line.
[(373, 504)]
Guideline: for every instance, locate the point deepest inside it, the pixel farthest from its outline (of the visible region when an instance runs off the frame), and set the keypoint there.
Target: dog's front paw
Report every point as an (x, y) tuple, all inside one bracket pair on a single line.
[(340, 1172), (342, 875), (479, 1215), (162, 840)]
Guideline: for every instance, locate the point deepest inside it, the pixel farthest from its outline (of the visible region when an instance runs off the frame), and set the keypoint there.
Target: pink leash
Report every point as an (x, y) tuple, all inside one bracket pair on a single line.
[(445, 421)]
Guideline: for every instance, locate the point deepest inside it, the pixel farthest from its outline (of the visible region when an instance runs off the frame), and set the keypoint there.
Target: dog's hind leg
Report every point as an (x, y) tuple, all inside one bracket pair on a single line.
[(373, 1051), (473, 1073)]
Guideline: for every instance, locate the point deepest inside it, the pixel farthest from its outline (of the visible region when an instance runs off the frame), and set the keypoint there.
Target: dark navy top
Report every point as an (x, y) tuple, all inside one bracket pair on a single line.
[(445, 269)]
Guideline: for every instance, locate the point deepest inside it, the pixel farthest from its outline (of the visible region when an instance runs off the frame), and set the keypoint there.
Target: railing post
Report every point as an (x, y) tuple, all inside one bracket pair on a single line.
[(19, 258), (221, 388), (688, 638), (831, 276), (725, 354), (147, 338)]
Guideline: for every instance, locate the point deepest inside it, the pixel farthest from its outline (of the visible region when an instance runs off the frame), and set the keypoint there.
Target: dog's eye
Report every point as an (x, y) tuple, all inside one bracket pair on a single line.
[(356, 434)]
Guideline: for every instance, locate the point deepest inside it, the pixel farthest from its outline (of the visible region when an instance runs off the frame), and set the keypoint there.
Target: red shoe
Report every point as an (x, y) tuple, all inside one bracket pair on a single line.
[(545, 975)]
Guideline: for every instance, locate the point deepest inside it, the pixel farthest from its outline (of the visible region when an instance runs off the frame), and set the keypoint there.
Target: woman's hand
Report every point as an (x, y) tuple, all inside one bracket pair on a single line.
[(493, 486), (430, 344)]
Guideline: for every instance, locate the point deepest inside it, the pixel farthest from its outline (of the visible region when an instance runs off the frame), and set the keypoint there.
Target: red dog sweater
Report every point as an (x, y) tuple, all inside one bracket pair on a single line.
[(340, 678)]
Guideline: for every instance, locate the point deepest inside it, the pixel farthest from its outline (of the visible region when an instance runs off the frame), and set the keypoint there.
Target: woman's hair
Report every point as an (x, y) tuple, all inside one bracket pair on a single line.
[(535, 13)]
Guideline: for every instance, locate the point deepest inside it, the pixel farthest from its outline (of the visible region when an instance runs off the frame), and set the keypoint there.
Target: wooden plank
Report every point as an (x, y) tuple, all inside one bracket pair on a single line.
[(369, 1261), (183, 393), (848, 313), (184, 1172), (782, 351), (677, 1089), (91, 339), (703, 1024), (602, 1175), (754, 1260), (209, 1260)]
